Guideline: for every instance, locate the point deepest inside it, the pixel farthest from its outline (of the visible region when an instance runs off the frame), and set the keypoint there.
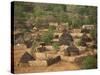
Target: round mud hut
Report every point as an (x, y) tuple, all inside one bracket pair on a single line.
[(65, 38), (42, 47), (26, 57), (84, 39), (71, 50), (29, 39)]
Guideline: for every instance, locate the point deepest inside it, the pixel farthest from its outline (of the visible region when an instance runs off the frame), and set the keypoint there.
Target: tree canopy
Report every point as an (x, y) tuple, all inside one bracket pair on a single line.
[(27, 14)]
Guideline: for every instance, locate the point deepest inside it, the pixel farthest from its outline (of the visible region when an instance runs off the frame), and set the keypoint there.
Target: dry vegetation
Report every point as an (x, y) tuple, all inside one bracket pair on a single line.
[(67, 63), (60, 66), (51, 29)]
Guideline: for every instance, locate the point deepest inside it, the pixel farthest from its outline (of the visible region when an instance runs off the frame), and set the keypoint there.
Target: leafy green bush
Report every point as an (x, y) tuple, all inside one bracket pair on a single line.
[(89, 62), (47, 36), (52, 28), (55, 46)]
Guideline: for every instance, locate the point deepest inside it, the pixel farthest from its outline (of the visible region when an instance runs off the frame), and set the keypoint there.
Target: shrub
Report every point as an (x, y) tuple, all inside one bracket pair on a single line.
[(47, 36), (93, 33), (89, 62), (79, 43), (55, 46), (52, 28)]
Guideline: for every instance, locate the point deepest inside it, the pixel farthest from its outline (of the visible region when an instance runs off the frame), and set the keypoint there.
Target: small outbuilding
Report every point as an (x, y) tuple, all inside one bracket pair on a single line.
[(26, 57), (71, 50), (66, 38), (84, 39)]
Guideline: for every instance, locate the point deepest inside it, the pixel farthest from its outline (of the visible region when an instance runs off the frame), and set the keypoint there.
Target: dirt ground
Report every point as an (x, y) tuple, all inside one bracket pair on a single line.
[(60, 66)]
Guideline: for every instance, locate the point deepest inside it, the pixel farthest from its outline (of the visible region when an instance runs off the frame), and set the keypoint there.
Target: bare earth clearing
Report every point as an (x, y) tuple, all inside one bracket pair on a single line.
[(60, 66)]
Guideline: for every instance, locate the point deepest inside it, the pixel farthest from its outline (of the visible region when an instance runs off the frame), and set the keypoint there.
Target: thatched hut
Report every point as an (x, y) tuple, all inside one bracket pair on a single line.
[(26, 57), (28, 44), (65, 38), (42, 47), (18, 38), (71, 50), (87, 28), (84, 39), (29, 39), (54, 60)]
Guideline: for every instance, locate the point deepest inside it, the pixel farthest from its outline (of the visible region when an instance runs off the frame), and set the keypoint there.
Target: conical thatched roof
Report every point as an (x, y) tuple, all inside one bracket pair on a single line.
[(83, 43), (71, 49), (18, 39), (41, 49), (26, 57), (29, 43), (85, 38), (65, 38), (28, 40)]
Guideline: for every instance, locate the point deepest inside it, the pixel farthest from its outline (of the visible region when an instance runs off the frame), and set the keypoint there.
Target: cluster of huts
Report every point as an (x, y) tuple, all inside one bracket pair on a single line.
[(65, 39)]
